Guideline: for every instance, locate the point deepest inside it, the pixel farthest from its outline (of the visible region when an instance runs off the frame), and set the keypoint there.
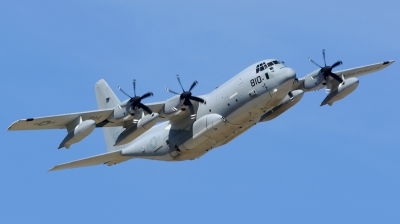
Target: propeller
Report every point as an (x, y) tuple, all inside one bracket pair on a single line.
[(326, 71), (135, 102), (186, 96)]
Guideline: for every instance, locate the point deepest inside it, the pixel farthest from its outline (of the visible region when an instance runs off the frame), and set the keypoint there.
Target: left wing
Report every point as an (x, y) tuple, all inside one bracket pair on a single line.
[(59, 121), (364, 70), (348, 73)]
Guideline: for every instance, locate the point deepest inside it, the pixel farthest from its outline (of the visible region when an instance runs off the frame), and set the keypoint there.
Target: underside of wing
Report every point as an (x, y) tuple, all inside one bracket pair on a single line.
[(110, 159), (364, 70), (58, 121)]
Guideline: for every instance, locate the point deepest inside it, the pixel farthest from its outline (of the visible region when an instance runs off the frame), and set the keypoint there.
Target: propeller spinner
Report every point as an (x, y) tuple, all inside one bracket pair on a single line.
[(186, 96), (135, 102), (326, 71)]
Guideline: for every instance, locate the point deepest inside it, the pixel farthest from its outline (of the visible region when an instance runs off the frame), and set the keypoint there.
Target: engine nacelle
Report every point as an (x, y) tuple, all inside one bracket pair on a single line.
[(313, 80), (341, 91), (82, 130), (172, 105), (203, 128), (144, 124), (287, 103)]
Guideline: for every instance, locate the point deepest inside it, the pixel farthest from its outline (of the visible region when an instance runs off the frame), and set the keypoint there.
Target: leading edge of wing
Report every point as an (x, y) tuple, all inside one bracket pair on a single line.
[(58, 121), (109, 158)]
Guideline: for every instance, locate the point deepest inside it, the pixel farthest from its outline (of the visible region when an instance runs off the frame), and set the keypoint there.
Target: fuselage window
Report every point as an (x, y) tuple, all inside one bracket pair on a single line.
[(257, 69)]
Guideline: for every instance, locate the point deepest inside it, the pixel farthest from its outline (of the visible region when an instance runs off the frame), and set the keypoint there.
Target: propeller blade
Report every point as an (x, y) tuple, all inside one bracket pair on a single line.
[(193, 85), (323, 55), (137, 114), (333, 75), (134, 86), (198, 99), (191, 108), (120, 89), (328, 84), (168, 90), (309, 58), (336, 64), (179, 80), (146, 95), (145, 108)]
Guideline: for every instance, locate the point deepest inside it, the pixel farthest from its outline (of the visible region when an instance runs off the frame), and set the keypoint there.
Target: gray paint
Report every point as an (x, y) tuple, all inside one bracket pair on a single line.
[(228, 112)]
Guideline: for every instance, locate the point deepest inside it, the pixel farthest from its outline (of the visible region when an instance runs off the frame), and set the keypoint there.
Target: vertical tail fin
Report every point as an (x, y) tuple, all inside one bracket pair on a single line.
[(106, 99)]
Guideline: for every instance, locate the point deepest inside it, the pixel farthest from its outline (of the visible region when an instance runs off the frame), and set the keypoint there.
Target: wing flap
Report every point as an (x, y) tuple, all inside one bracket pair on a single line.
[(58, 121), (110, 159)]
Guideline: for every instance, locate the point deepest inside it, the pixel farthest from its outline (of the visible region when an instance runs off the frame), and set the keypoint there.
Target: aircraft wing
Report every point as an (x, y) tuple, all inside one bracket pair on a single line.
[(348, 73), (156, 107), (110, 158), (58, 121), (363, 70)]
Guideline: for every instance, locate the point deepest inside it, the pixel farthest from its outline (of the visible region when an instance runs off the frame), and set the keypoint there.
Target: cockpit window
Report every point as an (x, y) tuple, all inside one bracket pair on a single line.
[(262, 66)]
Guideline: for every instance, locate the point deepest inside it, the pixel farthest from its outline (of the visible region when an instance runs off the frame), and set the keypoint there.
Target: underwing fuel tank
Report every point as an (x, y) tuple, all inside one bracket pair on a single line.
[(341, 92), (78, 133), (144, 124), (287, 102), (204, 128)]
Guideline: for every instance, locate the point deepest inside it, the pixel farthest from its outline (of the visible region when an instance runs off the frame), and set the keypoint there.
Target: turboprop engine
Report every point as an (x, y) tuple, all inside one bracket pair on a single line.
[(79, 132), (344, 89), (314, 79), (175, 103), (132, 132)]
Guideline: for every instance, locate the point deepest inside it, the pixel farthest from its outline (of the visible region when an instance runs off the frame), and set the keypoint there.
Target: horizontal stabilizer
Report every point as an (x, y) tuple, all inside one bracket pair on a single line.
[(110, 159)]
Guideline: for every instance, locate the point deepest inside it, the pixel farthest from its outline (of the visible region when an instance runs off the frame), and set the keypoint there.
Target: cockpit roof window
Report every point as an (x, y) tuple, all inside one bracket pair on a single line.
[(270, 64), (276, 62)]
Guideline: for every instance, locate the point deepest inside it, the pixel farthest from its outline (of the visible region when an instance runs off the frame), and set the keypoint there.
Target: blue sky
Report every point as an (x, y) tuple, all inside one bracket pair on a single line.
[(313, 164)]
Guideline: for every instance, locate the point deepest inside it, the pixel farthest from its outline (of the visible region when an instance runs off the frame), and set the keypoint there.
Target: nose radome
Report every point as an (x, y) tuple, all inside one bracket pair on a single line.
[(290, 73), (286, 74)]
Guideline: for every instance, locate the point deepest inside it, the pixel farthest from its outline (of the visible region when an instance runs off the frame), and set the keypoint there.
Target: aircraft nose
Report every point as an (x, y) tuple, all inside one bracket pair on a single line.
[(286, 74)]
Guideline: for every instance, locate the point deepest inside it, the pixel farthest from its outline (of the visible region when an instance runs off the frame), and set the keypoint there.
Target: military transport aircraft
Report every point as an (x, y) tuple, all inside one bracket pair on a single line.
[(186, 127)]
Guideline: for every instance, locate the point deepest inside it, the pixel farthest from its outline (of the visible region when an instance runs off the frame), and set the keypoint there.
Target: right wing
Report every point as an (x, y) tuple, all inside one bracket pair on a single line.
[(110, 159)]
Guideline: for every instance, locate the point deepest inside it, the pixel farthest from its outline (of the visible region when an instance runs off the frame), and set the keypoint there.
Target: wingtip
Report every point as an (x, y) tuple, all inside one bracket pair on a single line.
[(52, 169)]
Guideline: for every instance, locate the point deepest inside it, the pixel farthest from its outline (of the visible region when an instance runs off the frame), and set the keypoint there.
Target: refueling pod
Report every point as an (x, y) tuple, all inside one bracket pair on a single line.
[(78, 132), (344, 89)]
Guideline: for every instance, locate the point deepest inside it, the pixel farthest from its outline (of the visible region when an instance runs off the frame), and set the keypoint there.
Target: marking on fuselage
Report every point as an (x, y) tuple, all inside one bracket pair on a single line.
[(233, 95)]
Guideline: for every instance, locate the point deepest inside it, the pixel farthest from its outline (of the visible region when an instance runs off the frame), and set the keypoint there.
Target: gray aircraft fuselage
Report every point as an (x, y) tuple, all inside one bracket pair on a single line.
[(229, 110)]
